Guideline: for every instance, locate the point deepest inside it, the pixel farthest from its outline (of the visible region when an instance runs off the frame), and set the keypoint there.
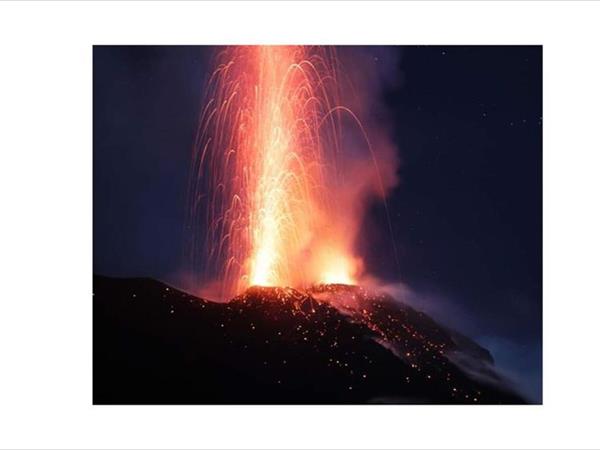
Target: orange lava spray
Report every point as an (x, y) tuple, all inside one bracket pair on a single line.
[(265, 196)]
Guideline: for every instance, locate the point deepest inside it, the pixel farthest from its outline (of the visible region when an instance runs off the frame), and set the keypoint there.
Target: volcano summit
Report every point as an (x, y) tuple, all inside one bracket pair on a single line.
[(336, 343)]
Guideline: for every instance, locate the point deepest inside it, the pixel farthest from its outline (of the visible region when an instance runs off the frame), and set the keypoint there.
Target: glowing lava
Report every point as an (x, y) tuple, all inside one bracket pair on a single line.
[(267, 173)]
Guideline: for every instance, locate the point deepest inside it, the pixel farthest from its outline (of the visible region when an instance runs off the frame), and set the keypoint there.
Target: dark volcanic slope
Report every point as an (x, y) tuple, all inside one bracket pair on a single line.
[(332, 344)]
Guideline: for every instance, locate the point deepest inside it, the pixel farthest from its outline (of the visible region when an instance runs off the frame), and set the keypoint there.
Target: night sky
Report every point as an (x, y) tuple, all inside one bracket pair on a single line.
[(467, 214)]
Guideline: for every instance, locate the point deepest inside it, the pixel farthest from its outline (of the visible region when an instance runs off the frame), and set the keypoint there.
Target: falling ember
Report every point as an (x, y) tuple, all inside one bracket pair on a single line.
[(268, 176)]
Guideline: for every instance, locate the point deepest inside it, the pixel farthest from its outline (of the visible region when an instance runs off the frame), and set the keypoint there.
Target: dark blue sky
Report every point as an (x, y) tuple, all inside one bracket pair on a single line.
[(467, 215)]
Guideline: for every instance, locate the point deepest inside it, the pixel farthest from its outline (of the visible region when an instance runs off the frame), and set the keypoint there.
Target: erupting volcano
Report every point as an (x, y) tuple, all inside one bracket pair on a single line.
[(282, 171)]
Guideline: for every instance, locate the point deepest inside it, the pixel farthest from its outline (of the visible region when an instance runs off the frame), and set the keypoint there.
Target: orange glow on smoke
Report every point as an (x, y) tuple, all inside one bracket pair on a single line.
[(337, 267), (267, 171)]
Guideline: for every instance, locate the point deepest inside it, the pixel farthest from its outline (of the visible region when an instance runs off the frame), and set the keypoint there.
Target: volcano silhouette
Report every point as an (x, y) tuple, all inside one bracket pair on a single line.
[(154, 344)]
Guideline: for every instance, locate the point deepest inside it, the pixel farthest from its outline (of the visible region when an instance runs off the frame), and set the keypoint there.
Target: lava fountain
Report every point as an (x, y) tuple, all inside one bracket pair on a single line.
[(272, 199)]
